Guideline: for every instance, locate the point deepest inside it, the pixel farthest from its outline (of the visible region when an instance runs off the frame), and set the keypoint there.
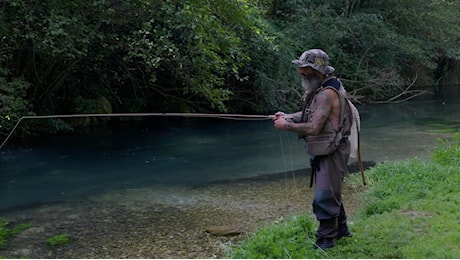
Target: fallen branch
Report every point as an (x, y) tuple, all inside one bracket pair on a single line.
[(385, 84), (407, 93)]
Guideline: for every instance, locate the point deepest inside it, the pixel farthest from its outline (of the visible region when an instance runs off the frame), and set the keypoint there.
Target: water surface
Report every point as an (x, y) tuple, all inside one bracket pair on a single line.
[(177, 152)]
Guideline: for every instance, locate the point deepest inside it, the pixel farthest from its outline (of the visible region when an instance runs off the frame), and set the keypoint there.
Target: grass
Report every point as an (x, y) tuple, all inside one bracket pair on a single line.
[(7, 232), (58, 240), (410, 210)]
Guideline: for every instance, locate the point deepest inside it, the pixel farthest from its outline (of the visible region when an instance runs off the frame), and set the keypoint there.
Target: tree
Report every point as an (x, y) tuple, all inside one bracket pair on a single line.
[(375, 44), (134, 55)]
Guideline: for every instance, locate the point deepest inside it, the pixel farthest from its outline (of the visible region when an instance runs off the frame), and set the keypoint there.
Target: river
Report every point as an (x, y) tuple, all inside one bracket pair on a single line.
[(172, 153)]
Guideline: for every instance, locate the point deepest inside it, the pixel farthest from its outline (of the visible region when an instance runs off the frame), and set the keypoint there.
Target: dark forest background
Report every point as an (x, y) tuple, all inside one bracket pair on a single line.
[(107, 56)]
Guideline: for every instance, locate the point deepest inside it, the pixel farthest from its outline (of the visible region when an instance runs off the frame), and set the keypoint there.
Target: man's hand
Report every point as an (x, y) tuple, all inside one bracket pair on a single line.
[(279, 115), (280, 122)]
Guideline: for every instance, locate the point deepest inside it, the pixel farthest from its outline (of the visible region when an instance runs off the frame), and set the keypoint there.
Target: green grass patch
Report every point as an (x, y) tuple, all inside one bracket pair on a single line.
[(58, 240), (282, 239), (410, 210), (7, 232)]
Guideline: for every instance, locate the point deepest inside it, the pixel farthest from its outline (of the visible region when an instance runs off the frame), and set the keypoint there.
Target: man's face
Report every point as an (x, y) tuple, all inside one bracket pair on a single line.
[(311, 79)]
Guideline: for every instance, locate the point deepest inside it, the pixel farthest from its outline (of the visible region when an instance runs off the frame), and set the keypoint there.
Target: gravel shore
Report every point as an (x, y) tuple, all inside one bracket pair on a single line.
[(159, 222)]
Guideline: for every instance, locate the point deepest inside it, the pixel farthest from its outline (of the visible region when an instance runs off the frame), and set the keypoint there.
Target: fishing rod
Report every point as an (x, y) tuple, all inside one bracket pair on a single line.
[(207, 115)]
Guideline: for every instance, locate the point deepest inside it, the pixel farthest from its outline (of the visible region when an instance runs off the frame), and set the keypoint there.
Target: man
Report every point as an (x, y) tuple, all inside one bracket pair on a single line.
[(327, 113)]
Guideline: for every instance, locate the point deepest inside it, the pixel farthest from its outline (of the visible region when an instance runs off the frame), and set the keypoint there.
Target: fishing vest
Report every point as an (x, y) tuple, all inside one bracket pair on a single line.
[(329, 138)]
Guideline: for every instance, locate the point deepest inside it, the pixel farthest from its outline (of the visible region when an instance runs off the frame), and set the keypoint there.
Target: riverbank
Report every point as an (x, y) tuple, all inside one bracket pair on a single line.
[(408, 212), (162, 223)]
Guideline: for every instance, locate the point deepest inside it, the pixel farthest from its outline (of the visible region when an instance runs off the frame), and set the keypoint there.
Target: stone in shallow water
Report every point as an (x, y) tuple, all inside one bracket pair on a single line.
[(224, 230)]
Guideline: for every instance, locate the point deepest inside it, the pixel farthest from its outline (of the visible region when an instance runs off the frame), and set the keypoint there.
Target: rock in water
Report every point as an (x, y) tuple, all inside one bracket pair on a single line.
[(224, 230)]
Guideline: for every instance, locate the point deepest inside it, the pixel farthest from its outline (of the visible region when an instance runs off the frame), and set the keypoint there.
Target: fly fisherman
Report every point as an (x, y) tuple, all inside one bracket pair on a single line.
[(325, 123)]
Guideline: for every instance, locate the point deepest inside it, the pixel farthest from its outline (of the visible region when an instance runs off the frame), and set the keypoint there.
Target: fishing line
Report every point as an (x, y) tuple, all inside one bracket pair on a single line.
[(284, 165), (292, 162), (292, 167), (202, 115), (294, 183)]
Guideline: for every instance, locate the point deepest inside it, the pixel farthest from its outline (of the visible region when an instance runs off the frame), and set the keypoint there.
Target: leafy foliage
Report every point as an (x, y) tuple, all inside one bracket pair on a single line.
[(13, 101), (139, 54), (201, 55), (376, 46)]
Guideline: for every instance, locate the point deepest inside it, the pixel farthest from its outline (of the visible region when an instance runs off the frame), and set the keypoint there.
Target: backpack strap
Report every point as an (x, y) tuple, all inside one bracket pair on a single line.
[(335, 84), (332, 82)]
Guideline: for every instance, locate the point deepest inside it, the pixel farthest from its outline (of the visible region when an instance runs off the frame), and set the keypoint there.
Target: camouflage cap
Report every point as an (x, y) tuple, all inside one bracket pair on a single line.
[(317, 59)]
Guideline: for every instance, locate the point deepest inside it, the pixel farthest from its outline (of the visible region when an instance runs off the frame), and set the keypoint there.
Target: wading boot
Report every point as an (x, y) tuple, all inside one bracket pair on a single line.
[(324, 243), (343, 233)]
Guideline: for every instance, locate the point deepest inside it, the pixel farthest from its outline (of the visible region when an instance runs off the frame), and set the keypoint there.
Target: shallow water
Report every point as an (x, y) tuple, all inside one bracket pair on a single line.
[(165, 154)]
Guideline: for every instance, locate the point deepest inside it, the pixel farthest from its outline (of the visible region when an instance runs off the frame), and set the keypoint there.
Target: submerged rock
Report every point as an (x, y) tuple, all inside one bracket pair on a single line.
[(224, 230)]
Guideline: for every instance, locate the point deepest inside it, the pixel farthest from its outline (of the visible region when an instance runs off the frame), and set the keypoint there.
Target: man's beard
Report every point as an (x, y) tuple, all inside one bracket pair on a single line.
[(310, 84)]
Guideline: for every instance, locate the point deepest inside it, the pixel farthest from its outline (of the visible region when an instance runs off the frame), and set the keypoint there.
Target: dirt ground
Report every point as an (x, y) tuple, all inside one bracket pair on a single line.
[(161, 223)]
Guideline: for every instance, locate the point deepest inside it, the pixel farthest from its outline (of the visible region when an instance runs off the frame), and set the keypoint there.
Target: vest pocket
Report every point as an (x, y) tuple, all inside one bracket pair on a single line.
[(323, 144)]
